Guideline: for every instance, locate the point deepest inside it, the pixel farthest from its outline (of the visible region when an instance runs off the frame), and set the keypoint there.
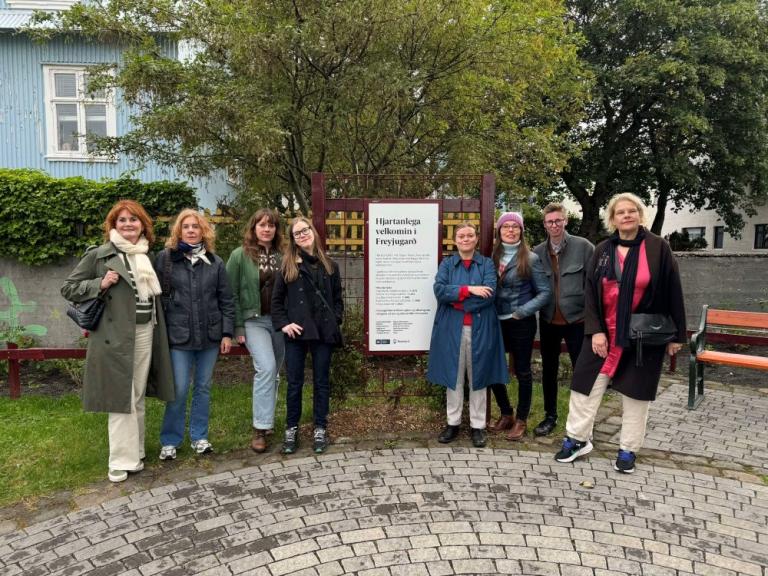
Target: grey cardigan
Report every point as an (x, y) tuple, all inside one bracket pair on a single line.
[(573, 260)]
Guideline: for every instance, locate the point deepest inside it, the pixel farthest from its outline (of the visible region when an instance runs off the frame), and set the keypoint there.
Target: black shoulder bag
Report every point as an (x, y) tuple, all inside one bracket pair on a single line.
[(648, 329), (88, 313)]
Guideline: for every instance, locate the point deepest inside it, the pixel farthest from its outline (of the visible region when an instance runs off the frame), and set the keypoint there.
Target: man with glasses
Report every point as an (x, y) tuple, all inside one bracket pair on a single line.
[(565, 258)]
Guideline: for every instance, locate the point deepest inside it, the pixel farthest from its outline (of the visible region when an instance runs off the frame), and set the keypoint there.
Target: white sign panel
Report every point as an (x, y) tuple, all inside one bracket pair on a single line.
[(402, 249)]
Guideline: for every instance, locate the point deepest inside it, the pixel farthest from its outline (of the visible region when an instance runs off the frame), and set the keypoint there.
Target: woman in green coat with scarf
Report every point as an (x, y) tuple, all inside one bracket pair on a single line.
[(128, 356)]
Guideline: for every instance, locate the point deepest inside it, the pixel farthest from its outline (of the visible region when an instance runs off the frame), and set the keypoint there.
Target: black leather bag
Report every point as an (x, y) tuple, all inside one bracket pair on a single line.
[(87, 314), (650, 330)]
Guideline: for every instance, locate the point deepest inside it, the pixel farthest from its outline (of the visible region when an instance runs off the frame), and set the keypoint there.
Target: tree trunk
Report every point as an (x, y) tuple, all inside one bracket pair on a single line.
[(661, 207), (590, 207)]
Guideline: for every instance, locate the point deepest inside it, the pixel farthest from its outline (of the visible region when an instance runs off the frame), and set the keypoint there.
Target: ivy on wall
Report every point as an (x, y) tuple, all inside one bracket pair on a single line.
[(43, 219)]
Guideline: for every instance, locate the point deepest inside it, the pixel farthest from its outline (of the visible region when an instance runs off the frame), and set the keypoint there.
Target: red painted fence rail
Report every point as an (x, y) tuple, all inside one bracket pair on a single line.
[(15, 355)]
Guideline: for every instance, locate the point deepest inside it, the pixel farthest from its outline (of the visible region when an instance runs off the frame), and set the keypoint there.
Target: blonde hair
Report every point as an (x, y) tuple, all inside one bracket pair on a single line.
[(209, 236), (292, 257), (462, 226), (610, 210)]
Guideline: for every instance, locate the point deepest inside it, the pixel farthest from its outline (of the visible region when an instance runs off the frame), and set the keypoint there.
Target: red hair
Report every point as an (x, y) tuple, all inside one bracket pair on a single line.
[(147, 230)]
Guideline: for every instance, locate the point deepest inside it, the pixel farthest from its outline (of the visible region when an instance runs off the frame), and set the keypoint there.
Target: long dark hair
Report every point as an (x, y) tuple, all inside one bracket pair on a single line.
[(523, 254), (251, 241)]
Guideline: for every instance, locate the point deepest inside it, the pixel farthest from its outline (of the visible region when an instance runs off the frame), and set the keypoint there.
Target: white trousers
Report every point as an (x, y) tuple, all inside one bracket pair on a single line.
[(582, 410), (455, 398), (126, 431)]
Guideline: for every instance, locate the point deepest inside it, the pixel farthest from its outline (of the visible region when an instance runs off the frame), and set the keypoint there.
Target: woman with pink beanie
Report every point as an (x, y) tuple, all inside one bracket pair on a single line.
[(523, 289)]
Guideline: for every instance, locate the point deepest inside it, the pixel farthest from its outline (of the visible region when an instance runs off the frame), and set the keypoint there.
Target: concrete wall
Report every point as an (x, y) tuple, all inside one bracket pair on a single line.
[(29, 296)]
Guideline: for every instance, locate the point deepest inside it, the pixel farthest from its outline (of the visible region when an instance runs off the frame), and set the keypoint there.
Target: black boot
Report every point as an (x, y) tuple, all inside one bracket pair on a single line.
[(448, 434), (545, 427)]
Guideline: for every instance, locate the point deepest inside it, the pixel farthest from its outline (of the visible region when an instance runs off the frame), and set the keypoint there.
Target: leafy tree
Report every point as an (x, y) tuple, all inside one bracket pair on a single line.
[(678, 111), (272, 91)]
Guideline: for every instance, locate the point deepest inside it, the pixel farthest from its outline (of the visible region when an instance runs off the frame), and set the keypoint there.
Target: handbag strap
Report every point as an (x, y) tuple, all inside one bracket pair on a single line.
[(317, 291), (167, 273)]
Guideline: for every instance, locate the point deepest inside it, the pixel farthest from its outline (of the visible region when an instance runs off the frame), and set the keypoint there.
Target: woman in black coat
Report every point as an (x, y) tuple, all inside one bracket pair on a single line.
[(307, 306), (200, 314), (632, 272)]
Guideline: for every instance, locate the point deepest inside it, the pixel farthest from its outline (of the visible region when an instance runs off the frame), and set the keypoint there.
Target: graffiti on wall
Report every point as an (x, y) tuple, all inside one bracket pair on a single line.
[(10, 316)]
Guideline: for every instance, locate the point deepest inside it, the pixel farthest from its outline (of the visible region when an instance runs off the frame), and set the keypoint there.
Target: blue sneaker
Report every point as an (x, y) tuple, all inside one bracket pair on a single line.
[(572, 449), (625, 462)]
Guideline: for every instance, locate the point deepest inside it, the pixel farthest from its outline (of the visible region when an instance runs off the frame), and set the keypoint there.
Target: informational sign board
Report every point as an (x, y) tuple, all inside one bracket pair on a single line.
[(402, 248)]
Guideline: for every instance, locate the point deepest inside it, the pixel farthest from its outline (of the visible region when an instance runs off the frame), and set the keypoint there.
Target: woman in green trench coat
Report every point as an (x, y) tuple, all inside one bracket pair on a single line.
[(128, 356)]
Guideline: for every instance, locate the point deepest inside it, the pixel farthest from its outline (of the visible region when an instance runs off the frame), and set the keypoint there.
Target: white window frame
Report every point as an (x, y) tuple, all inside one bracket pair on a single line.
[(47, 5), (81, 99)]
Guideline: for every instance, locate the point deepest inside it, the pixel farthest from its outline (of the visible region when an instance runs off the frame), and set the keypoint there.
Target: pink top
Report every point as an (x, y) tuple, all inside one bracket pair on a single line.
[(611, 305)]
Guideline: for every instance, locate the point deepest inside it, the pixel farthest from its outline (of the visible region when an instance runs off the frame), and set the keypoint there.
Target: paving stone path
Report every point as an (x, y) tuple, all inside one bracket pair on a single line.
[(423, 511), (696, 505), (729, 425)]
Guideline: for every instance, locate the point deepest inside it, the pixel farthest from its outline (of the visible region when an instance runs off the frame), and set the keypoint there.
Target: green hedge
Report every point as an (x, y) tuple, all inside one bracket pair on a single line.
[(43, 219)]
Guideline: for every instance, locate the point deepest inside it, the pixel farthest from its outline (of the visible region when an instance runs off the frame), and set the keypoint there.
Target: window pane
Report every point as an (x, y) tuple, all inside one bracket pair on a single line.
[(95, 122), (66, 127), (65, 85), (694, 233), (97, 95), (761, 236), (719, 233)]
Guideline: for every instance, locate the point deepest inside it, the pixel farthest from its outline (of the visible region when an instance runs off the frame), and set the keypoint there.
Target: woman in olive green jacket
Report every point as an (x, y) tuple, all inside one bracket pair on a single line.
[(251, 269), (128, 356)]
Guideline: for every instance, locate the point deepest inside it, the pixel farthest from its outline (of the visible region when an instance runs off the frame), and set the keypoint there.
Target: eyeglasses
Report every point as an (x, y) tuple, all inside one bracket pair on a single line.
[(303, 232), (558, 222), (510, 227)]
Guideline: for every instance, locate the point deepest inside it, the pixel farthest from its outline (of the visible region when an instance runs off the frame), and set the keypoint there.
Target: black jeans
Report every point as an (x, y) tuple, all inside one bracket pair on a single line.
[(518, 341), (550, 336), (295, 354)]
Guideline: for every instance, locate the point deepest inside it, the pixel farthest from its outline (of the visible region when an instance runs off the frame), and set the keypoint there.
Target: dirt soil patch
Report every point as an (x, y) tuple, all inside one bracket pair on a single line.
[(53, 378)]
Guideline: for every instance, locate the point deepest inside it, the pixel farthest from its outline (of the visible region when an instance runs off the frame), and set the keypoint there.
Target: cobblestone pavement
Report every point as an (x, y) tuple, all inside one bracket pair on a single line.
[(439, 511), (728, 425)]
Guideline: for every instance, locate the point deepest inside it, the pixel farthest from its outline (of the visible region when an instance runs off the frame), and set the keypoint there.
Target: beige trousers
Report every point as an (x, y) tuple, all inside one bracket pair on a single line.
[(455, 398), (582, 410), (126, 431)]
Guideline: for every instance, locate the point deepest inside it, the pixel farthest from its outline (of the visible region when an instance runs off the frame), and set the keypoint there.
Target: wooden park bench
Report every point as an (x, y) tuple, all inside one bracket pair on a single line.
[(754, 325)]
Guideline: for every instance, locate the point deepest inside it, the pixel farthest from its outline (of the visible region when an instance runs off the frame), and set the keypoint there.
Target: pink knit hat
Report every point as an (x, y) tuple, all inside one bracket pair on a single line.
[(515, 217)]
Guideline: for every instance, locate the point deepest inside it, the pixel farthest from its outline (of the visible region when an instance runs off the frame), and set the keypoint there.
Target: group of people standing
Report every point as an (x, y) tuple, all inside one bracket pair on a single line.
[(584, 296), (168, 316)]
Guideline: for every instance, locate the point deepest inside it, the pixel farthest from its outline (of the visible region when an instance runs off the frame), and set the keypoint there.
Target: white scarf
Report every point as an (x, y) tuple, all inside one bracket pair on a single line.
[(144, 275)]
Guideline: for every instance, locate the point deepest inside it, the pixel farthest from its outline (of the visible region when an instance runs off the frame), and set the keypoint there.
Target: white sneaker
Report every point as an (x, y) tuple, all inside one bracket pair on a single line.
[(168, 453), (117, 475), (202, 446), (138, 468)]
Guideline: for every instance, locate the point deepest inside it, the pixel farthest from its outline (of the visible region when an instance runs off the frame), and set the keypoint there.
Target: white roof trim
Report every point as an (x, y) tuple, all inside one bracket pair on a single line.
[(47, 5)]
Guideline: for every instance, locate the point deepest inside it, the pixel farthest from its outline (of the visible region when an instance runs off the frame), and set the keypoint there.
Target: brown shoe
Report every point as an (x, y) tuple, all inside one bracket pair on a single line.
[(503, 423), (259, 441), (518, 430)]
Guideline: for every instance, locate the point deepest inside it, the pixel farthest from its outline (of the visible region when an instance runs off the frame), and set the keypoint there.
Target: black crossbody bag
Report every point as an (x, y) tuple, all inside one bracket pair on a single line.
[(648, 329)]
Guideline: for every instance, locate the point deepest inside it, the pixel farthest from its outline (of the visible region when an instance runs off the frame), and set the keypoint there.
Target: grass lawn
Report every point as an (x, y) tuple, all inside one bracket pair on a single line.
[(50, 444)]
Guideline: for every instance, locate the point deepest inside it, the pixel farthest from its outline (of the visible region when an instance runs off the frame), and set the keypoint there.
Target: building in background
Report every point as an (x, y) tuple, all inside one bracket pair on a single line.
[(46, 112), (707, 224)]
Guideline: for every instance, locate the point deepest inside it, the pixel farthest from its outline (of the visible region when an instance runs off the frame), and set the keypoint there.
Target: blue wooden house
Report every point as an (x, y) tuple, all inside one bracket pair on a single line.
[(45, 112)]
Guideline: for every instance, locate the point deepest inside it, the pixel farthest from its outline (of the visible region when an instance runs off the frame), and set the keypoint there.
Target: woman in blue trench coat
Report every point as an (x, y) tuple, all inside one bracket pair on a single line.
[(466, 343)]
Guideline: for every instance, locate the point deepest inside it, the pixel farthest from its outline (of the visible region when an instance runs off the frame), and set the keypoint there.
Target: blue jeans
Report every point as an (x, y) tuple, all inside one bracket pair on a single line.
[(295, 354), (267, 349), (183, 362)]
